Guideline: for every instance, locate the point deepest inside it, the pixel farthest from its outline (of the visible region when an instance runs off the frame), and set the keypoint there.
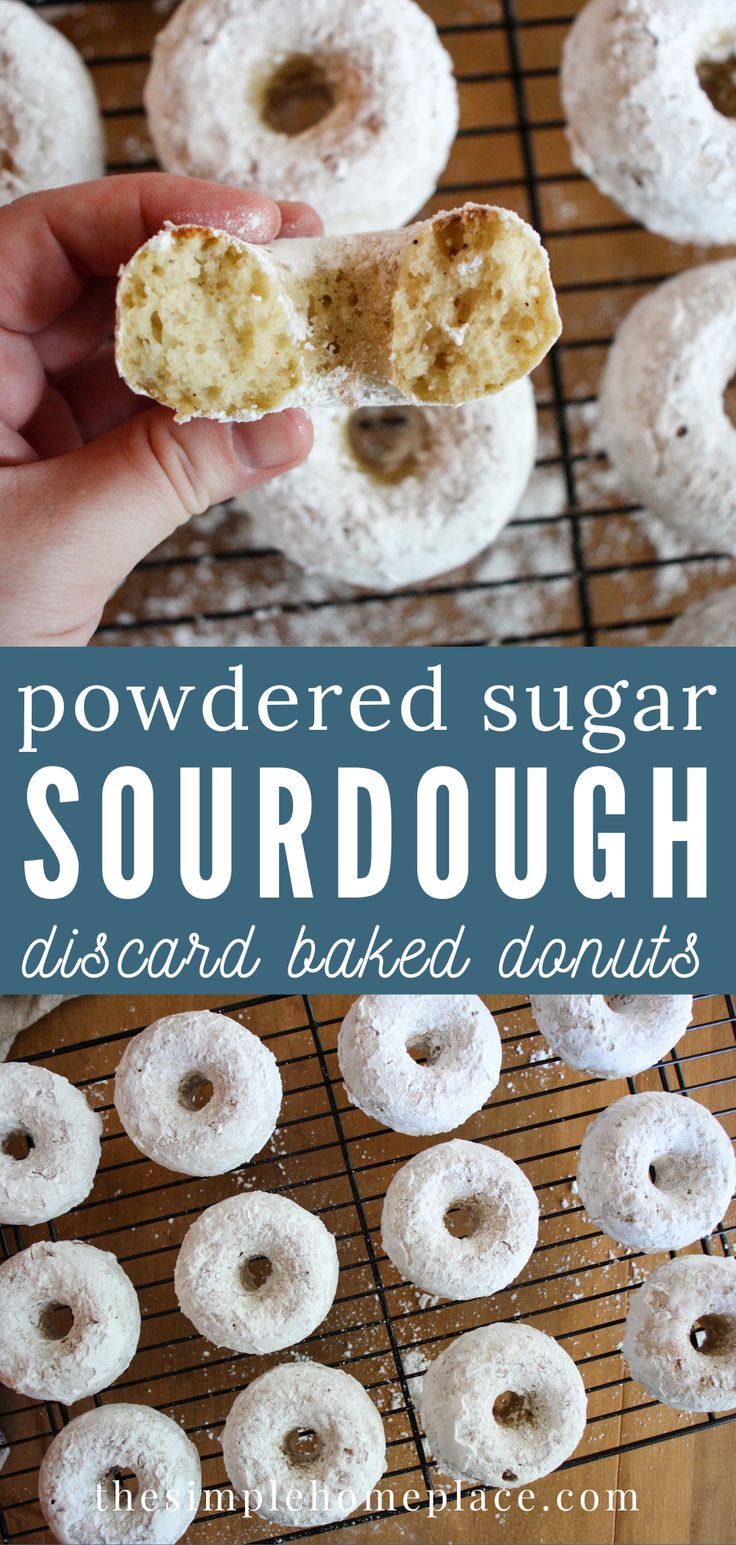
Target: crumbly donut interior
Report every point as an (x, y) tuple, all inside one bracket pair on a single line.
[(205, 329), (474, 309)]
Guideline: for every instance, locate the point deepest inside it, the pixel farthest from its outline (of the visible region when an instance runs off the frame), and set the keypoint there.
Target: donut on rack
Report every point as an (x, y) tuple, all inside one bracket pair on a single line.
[(70, 1322), (257, 1273), (352, 106), (460, 1220), (680, 1338), (612, 1037), (444, 312), (419, 1064), (49, 1144), (394, 496), (302, 1426), (656, 1171), (708, 624), (50, 125), (503, 1405), (662, 412), (648, 91), (198, 1093), (87, 1456)]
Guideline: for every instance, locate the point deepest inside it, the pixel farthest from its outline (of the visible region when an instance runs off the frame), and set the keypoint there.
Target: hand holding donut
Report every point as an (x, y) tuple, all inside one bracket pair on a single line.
[(90, 477)]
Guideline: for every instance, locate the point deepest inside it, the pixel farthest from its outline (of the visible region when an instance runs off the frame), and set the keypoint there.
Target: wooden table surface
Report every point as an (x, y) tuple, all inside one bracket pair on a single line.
[(334, 1160), (578, 565)]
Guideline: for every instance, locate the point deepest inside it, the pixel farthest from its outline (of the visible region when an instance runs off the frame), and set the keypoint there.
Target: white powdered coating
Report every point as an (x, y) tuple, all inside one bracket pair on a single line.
[(125, 1438), (662, 414), (657, 1344), (612, 1037), (58, 1171), (376, 156), (710, 624), (640, 124), (295, 1297), (333, 516), (151, 1084), (693, 1163), (305, 1397), (493, 1190), (460, 1390), (50, 126), (458, 1037), (17, 1014), (102, 1340)]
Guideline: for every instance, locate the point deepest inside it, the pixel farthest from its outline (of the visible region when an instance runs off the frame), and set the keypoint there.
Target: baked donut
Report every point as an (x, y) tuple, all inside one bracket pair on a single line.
[(647, 88), (380, 1043), (446, 311), (50, 125), (656, 1171), (49, 1144), (353, 107), (503, 1405), (662, 417), (460, 1220), (393, 496), (198, 1093), (302, 1428), (43, 1356), (92, 1450), (257, 1273), (709, 624), (680, 1337), (614, 1036)]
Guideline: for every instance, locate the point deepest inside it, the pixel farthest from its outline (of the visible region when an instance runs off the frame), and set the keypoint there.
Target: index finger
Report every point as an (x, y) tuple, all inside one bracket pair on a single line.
[(52, 243)]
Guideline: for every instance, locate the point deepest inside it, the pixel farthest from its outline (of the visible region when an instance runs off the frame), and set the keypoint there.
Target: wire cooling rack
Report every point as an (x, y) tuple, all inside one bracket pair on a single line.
[(335, 1161), (579, 565)]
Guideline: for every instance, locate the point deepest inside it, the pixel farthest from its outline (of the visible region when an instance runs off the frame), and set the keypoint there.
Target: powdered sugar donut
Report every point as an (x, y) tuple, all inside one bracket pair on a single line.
[(460, 1048), (502, 1405), (352, 107), (308, 1434), (257, 1273), (460, 1220), (662, 417), (89, 1452), (615, 1036), (709, 624), (50, 126), (411, 492), (49, 1144), (656, 1171), (43, 1357), (645, 86), (680, 1338), (198, 1093)]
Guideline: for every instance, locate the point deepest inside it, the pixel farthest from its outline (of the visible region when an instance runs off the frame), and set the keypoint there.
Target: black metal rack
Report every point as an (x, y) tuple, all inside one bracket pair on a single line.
[(335, 1161), (578, 565)]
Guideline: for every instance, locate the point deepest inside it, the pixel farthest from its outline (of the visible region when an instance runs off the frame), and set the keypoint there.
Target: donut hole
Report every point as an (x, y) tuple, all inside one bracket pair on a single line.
[(474, 308), (195, 1091), (120, 1487), (511, 1409), (387, 441), (255, 1272), (426, 1049), (714, 1335), (55, 1321), (729, 401), (619, 1002), (298, 96), (717, 77), (303, 1446), (463, 1218), (18, 1145)]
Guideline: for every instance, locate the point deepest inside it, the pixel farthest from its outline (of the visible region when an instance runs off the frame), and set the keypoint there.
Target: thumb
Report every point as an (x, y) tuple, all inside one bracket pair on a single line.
[(89, 516)]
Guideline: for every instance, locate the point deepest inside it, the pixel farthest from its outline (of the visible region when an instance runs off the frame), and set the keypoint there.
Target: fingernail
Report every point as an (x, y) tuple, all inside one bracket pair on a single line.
[(274, 441)]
